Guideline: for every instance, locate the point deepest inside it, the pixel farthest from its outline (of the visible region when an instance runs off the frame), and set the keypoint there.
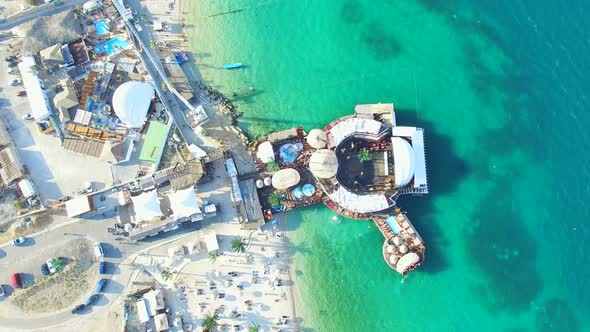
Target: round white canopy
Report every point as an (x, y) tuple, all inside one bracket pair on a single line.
[(285, 178), (407, 261), (265, 152), (323, 163), (317, 138), (404, 161), (131, 102)]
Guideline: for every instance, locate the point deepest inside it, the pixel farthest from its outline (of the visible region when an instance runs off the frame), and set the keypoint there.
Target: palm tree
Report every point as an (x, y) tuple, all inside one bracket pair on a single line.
[(164, 86), (238, 244), (153, 44), (274, 199), (213, 256), (364, 155), (252, 327), (273, 166), (210, 322), (166, 275)]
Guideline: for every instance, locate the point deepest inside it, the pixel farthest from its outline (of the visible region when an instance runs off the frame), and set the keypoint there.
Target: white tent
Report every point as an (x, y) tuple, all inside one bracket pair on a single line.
[(146, 206), (265, 152), (26, 188), (211, 242), (404, 161), (131, 102), (184, 203)]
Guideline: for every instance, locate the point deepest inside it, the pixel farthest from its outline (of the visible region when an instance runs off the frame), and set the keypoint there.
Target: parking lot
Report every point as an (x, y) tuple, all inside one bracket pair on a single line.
[(55, 172)]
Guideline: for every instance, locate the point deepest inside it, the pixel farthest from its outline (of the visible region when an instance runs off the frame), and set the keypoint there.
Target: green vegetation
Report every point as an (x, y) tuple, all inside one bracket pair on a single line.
[(166, 275), (143, 17), (273, 166), (20, 203), (164, 86), (252, 327), (153, 44), (274, 199), (364, 155), (213, 256), (210, 322), (238, 244)]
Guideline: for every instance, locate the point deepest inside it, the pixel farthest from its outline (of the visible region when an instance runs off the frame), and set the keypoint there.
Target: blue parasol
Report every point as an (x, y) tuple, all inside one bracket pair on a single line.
[(297, 193), (308, 189)]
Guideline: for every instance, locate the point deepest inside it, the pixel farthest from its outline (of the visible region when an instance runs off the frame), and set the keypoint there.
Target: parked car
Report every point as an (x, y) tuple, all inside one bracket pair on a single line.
[(16, 82), (2, 291), (18, 241), (10, 58), (102, 267), (91, 300), (44, 270), (12, 71), (88, 187), (21, 93), (16, 281), (138, 27), (27, 117), (12, 64), (100, 285), (98, 251), (78, 308)]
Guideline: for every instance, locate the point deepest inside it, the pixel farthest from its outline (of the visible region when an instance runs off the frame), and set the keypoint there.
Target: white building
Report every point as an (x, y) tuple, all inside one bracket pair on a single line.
[(41, 108), (131, 102)]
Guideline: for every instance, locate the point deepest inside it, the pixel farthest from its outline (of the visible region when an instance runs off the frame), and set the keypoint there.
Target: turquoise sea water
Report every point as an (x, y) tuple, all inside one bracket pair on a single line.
[(501, 89)]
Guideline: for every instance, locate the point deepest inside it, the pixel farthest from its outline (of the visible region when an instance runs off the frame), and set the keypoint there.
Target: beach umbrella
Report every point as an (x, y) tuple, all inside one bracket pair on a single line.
[(393, 259), (391, 248), (265, 152), (297, 193), (323, 163), (285, 178), (308, 189), (317, 138), (396, 240), (403, 248), (259, 184), (267, 181), (128, 228)]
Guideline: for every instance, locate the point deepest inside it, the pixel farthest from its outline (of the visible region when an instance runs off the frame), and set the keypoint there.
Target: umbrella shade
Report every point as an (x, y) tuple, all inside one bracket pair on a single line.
[(259, 184), (308, 189), (407, 261), (265, 152), (403, 248), (267, 181), (393, 259), (391, 248), (396, 240), (285, 178), (317, 138), (323, 163), (297, 193)]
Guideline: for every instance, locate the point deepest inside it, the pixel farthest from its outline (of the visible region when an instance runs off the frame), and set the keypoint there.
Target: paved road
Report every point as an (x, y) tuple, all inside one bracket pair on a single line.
[(36, 12)]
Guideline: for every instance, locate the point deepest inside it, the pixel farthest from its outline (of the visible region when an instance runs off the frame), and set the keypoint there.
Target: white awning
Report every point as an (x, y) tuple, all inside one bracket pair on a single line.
[(131, 102), (265, 152), (79, 205), (26, 188), (403, 161), (351, 126), (38, 99), (146, 206), (359, 203), (184, 203), (420, 180), (406, 262)]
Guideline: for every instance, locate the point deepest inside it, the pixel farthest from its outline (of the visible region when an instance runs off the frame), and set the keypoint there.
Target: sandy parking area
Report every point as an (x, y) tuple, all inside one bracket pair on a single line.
[(65, 288)]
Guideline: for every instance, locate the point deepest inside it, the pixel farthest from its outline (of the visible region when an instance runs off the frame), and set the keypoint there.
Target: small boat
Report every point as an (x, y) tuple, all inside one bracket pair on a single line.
[(232, 66)]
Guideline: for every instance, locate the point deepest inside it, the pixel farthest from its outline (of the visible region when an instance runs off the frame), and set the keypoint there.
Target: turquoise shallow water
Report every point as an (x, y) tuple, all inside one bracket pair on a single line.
[(499, 88)]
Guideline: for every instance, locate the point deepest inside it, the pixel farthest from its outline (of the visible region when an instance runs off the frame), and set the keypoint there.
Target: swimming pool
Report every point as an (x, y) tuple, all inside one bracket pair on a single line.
[(111, 46), (393, 224), (101, 27)]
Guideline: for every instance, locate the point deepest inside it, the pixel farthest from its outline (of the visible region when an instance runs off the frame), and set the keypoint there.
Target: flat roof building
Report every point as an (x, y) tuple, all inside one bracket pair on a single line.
[(40, 106)]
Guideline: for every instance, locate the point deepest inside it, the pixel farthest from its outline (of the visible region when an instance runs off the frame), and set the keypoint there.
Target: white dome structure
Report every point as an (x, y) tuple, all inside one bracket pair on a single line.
[(131, 102), (404, 161)]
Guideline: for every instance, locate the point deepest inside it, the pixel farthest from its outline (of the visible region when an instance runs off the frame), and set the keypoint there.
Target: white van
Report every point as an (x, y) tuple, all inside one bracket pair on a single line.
[(98, 250)]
